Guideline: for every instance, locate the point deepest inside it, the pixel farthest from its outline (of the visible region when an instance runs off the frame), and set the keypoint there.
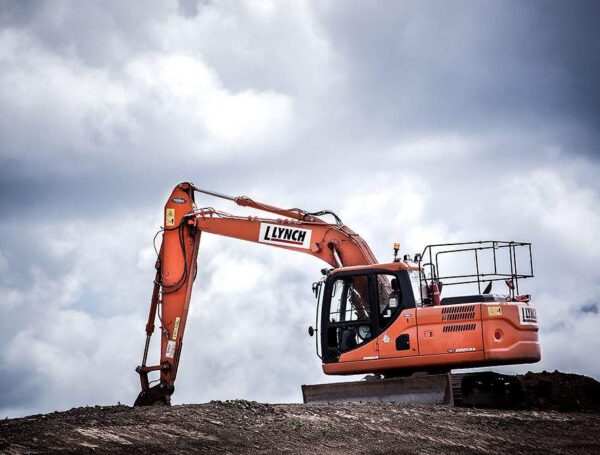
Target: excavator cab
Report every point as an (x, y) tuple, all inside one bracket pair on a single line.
[(359, 303), (393, 318)]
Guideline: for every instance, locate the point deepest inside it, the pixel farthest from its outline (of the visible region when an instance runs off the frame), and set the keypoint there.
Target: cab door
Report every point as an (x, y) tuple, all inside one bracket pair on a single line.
[(397, 321), (347, 321), (400, 339)]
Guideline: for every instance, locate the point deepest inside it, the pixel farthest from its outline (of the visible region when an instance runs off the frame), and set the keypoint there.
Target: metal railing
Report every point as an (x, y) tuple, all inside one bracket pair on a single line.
[(430, 258)]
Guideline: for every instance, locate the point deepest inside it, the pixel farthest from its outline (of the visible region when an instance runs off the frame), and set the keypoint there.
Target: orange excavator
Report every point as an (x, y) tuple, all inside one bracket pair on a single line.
[(385, 319)]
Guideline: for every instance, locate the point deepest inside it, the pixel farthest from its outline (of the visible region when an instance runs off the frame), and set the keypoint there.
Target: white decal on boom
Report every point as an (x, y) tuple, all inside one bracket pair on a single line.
[(275, 234)]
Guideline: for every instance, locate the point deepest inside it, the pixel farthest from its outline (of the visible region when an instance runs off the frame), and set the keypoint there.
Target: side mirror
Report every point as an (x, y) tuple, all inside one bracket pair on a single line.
[(316, 287), (311, 331)]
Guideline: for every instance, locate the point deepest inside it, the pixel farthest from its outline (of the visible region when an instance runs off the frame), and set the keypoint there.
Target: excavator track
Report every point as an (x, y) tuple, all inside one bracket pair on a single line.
[(488, 389), (456, 380)]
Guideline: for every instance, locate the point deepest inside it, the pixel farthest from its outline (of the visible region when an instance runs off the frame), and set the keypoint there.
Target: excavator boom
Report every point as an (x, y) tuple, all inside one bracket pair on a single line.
[(184, 224)]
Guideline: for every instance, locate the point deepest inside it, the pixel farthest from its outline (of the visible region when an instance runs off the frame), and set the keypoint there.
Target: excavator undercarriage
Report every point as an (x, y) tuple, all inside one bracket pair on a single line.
[(483, 389)]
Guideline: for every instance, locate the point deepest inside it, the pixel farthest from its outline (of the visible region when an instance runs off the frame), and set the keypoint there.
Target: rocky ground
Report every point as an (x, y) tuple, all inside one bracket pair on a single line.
[(553, 423), (247, 427)]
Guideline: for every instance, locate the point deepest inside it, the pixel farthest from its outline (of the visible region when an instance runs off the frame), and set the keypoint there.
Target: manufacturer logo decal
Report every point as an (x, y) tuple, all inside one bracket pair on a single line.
[(461, 350), (386, 338), (371, 357), (275, 234), (527, 315), (178, 200)]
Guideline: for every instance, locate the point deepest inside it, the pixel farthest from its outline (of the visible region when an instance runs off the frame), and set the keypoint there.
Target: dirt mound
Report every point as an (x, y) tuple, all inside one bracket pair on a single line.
[(374, 428), (560, 391), (248, 427)]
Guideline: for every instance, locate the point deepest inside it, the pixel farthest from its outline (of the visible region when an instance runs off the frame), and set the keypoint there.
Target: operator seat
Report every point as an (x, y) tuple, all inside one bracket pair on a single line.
[(393, 305), (348, 339)]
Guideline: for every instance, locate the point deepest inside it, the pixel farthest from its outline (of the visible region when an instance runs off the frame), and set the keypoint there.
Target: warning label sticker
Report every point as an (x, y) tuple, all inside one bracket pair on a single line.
[(275, 234), (176, 328), (170, 217), (171, 349), (494, 311)]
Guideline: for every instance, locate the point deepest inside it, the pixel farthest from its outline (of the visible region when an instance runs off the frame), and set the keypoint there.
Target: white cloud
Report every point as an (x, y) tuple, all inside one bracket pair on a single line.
[(184, 90), (154, 102), (565, 210), (429, 149), (391, 208)]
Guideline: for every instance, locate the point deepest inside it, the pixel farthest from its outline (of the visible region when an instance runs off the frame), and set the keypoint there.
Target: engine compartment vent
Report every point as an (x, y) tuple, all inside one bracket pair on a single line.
[(459, 328), (458, 313)]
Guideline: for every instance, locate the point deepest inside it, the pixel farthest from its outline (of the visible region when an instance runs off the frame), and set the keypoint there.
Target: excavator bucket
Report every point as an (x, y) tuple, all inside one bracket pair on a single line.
[(158, 395), (431, 389)]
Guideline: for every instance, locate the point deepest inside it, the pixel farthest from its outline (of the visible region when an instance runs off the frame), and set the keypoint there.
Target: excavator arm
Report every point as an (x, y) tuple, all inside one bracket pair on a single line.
[(176, 268)]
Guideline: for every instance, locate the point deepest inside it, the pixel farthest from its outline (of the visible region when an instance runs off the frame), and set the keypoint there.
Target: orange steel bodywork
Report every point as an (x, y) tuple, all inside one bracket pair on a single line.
[(445, 337), (432, 343)]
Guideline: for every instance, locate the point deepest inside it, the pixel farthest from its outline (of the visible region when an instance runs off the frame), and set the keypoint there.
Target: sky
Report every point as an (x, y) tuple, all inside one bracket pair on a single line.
[(416, 122)]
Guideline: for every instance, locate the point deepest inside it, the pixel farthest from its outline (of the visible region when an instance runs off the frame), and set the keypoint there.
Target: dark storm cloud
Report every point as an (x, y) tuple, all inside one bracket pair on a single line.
[(415, 121), (473, 66), (97, 33), (15, 13), (18, 387), (590, 308)]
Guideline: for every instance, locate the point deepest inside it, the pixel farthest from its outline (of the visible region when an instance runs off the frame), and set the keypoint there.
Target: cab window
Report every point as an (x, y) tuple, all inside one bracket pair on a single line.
[(416, 278), (389, 298), (350, 299), (349, 313)]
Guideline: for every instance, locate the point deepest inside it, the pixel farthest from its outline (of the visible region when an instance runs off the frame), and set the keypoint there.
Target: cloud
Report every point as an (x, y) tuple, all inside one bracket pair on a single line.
[(568, 212), (415, 122), (152, 97)]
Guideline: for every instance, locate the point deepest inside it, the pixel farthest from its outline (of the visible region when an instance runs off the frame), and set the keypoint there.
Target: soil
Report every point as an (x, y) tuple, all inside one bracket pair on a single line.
[(372, 428), (560, 391)]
